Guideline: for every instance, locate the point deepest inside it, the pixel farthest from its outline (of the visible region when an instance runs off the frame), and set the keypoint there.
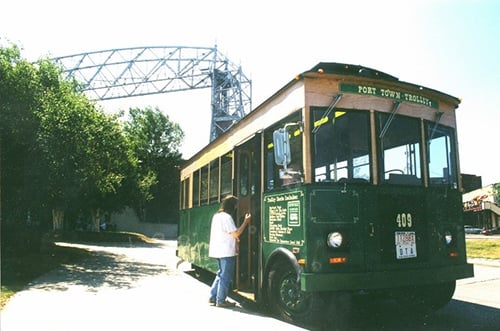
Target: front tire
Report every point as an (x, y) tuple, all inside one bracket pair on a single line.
[(286, 299)]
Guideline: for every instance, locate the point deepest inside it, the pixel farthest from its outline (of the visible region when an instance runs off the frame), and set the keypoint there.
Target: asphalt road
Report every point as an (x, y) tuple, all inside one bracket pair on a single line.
[(144, 287)]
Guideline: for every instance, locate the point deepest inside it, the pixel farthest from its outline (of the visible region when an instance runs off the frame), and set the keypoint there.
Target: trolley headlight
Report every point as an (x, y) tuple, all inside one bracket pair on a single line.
[(334, 239), (448, 237)]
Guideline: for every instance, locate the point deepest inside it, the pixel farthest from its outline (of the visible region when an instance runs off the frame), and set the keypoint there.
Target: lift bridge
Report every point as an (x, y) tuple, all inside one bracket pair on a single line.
[(138, 71)]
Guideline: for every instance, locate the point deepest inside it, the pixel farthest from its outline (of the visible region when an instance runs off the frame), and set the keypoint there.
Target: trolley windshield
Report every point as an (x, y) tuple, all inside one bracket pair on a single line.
[(342, 148)]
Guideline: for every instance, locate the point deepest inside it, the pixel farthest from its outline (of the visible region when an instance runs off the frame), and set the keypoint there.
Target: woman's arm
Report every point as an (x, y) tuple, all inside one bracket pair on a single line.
[(236, 234)]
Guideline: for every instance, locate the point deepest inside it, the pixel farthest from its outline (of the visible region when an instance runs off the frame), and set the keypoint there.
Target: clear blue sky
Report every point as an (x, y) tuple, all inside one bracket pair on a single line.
[(449, 45)]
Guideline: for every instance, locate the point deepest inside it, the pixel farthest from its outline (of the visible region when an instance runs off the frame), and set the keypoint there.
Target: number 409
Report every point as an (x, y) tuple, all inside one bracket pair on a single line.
[(404, 220)]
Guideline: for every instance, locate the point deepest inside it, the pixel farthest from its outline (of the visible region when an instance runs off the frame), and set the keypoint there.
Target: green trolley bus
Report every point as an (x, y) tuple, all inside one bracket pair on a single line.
[(353, 180)]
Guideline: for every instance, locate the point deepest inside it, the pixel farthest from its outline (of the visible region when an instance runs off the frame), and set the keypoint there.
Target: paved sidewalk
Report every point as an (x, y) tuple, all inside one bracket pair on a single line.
[(127, 289)]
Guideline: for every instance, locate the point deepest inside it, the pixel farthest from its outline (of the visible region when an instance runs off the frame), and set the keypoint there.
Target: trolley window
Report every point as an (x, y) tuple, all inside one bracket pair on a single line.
[(273, 177), (399, 141), (185, 193), (441, 155), (244, 176), (196, 188), (204, 185), (341, 145), (214, 181), (226, 174)]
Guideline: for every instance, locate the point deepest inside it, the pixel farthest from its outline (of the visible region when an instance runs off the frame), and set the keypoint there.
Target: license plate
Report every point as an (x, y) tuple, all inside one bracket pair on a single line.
[(406, 244)]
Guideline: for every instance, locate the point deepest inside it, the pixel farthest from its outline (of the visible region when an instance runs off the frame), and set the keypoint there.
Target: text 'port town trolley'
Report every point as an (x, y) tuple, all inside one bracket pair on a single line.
[(352, 177)]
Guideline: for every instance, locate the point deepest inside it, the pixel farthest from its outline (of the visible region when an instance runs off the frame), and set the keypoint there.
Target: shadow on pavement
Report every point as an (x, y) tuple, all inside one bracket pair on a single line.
[(102, 269)]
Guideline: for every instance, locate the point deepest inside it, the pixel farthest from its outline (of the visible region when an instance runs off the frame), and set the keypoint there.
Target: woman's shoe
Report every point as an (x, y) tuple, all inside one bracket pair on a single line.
[(225, 304)]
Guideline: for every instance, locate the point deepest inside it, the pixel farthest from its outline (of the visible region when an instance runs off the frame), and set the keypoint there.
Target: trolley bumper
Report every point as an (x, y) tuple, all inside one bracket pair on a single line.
[(383, 279)]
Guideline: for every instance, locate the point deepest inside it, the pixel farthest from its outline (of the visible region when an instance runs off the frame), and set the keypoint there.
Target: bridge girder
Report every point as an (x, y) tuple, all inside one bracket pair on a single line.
[(138, 71)]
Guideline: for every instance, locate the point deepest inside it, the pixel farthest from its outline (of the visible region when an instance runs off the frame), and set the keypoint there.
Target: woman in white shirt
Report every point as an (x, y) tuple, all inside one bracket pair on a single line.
[(224, 238)]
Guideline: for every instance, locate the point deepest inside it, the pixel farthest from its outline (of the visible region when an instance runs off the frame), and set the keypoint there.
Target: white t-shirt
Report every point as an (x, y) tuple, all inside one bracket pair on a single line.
[(222, 244)]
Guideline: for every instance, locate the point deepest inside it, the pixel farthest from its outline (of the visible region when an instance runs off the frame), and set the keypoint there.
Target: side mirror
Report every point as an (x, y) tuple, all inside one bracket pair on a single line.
[(281, 147)]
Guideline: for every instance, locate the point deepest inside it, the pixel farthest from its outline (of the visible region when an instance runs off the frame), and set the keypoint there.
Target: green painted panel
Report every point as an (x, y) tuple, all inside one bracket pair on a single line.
[(194, 236), (334, 205)]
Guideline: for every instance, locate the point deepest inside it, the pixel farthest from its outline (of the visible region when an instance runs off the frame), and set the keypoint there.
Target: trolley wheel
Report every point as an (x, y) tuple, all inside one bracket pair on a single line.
[(428, 298), (286, 300), (439, 295)]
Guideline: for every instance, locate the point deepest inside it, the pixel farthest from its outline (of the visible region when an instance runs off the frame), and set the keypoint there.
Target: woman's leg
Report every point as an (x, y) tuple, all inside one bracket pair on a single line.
[(225, 277), (215, 285)]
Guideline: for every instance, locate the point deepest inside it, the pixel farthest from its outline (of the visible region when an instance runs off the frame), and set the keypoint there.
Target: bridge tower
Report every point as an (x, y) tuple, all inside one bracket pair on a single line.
[(138, 71)]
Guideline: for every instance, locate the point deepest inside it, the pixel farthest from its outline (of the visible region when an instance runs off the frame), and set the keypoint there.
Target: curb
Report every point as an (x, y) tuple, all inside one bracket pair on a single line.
[(485, 262)]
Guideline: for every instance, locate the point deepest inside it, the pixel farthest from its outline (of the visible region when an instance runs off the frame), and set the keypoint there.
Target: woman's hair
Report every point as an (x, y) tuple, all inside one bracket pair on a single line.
[(228, 204)]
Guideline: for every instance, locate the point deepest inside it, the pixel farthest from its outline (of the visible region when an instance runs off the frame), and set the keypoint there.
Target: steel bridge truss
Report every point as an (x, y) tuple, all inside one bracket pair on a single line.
[(138, 71)]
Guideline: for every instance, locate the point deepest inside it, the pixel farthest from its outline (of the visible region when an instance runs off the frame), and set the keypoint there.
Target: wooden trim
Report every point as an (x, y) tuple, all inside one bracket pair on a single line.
[(373, 135), (424, 152)]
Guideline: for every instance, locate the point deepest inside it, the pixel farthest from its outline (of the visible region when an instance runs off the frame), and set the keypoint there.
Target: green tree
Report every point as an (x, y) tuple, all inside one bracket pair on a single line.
[(58, 151), (22, 180), (107, 165), (155, 142), (87, 153), (60, 154), (496, 193), (61, 113)]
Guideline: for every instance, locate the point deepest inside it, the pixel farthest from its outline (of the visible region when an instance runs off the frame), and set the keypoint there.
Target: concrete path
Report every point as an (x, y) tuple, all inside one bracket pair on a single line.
[(125, 288)]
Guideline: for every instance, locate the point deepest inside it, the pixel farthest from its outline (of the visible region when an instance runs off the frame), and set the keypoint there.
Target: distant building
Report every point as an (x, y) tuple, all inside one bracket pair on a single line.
[(480, 208), (471, 182)]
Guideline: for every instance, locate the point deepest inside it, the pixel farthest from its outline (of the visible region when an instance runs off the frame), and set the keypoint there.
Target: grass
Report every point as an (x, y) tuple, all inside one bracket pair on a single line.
[(19, 270), (483, 248)]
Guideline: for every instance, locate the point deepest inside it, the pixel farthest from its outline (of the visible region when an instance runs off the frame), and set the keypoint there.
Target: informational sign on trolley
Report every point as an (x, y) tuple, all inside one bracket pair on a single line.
[(284, 212), (406, 244)]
